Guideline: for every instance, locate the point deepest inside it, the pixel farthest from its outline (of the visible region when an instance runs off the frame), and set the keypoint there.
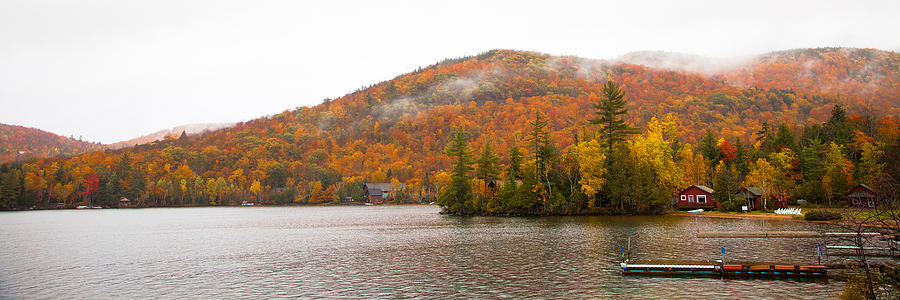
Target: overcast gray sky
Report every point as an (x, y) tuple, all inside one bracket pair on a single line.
[(116, 69)]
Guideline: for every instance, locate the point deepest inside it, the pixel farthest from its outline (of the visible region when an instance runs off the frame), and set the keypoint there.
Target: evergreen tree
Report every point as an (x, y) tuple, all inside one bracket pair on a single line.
[(764, 138), (709, 148), (510, 196), (514, 170), (741, 157), (544, 152), (609, 112), (487, 164), (488, 172), (538, 138), (838, 128), (455, 197), (812, 166), (784, 138)]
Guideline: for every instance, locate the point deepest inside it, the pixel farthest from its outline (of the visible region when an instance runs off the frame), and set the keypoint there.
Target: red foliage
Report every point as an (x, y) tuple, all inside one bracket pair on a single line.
[(729, 153), (90, 184)]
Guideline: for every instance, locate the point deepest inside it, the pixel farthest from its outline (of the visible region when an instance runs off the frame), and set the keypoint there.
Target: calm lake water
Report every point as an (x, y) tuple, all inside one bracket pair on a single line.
[(374, 252)]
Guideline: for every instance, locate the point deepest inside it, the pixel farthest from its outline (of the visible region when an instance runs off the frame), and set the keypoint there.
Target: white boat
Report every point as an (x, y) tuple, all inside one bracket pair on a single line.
[(369, 204), (81, 207), (696, 211)]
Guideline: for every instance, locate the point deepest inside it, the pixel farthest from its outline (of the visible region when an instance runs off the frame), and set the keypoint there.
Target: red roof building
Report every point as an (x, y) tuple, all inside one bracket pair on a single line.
[(696, 196), (861, 196)]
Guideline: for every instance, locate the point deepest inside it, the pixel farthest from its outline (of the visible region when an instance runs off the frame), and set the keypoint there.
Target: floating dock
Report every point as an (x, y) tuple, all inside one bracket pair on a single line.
[(779, 234), (726, 270)]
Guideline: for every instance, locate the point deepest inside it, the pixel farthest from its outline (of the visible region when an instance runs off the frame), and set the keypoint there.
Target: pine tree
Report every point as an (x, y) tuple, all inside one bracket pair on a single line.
[(487, 172), (709, 148), (538, 137), (514, 170), (487, 169), (610, 110), (838, 128), (544, 151), (455, 196), (784, 138)]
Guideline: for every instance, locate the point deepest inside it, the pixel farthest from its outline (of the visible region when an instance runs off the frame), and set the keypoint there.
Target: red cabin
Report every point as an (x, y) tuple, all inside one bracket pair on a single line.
[(861, 196), (696, 196)]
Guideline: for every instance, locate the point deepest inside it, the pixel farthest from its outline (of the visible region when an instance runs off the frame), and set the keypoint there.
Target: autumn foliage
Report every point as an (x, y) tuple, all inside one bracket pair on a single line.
[(396, 130)]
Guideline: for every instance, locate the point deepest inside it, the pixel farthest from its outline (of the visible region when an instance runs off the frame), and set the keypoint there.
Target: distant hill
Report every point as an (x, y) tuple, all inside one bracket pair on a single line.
[(397, 129), (34, 142), (189, 129)]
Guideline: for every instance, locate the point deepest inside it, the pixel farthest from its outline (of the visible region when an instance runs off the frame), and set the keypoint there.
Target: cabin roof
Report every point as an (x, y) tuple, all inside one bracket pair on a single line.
[(866, 192), (374, 192), (701, 187), (755, 190)]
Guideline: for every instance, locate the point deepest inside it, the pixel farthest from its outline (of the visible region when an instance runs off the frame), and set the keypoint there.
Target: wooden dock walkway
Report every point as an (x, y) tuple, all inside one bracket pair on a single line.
[(719, 270), (777, 234)]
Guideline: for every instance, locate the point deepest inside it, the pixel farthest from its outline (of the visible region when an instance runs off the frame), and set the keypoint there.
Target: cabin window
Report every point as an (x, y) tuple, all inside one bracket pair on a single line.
[(871, 203), (701, 198), (683, 197), (691, 198)]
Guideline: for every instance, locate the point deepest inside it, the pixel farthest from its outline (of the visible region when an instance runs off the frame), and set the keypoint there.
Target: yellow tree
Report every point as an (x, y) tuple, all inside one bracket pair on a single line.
[(761, 175), (785, 179), (441, 180), (256, 189), (838, 170), (654, 149), (870, 169), (592, 167), (695, 167)]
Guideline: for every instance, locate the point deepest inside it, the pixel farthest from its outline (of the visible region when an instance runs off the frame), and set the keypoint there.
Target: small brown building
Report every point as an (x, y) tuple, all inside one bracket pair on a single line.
[(756, 201), (379, 192), (861, 196), (696, 196), (754, 197)]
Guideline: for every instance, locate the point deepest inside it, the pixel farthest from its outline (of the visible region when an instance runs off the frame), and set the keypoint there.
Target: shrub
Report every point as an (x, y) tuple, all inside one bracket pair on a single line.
[(733, 205), (822, 215)]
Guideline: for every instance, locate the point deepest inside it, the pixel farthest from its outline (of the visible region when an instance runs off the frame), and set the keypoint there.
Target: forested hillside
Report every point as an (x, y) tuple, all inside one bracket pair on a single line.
[(397, 130), (33, 142)]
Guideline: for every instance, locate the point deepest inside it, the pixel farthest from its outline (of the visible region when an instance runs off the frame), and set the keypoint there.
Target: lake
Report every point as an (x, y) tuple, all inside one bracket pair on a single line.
[(375, 252)]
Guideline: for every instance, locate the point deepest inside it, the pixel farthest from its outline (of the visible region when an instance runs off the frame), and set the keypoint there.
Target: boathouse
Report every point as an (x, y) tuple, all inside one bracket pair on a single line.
[(379, 192), (696, 196), (861, 196), (754, 197)]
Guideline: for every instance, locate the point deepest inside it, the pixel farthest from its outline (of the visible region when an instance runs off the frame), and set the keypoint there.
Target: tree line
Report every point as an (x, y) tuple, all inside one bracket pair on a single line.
[(615, 168)]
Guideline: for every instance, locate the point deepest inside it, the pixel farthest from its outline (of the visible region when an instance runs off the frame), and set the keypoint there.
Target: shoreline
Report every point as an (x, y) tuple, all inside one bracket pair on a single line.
[(723, 215)]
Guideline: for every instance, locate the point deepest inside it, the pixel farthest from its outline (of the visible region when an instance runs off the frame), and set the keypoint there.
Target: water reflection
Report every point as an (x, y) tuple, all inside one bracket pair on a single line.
[(375, 252)]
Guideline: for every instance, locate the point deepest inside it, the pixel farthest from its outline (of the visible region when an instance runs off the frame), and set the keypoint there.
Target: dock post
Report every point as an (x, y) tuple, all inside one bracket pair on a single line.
[(723, 255), (629, 244), (819, 249)]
